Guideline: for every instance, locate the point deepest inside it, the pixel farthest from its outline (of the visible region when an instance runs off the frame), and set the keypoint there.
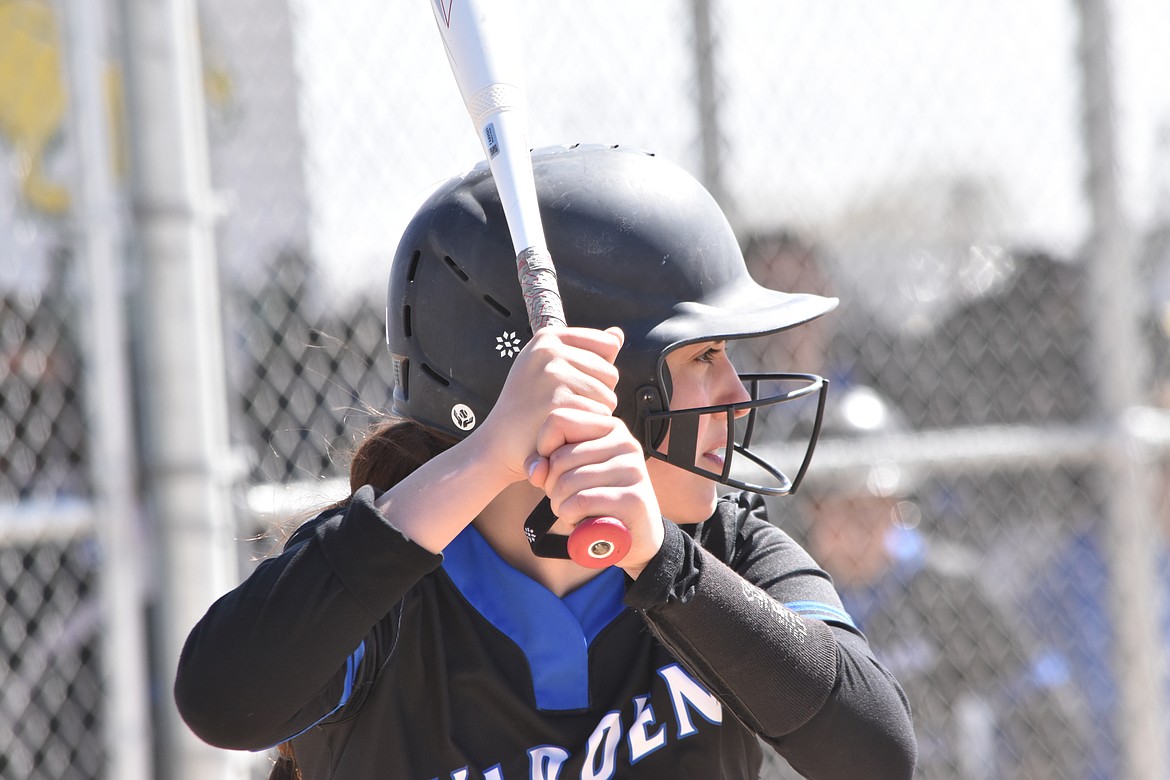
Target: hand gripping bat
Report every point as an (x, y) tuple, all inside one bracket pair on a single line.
[(485, 59)]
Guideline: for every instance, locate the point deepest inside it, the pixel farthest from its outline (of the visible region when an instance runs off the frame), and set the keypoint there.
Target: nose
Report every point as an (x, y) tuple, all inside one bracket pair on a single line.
[(732, 390)]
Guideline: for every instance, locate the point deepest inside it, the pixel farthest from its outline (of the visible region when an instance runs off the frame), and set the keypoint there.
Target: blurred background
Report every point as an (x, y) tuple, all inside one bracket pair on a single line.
[(200, 199)]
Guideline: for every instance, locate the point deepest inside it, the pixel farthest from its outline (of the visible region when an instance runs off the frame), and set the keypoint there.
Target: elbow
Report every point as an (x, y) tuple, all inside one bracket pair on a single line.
[(875, 742), (891, 735), (895, 736), (219, 710), (884, 751), (903, 755), (872, 733), (210, 717), (880, 716)]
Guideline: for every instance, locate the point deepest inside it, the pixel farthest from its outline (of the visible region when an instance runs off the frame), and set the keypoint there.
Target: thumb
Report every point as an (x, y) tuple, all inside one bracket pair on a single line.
[(537, 469)]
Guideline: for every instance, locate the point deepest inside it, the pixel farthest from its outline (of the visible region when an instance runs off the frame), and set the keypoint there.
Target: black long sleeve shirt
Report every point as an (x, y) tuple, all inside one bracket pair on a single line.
[(382, 660)]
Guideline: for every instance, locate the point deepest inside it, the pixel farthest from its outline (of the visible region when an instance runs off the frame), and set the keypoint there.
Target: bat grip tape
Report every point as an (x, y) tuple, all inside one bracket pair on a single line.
[(538, 284)]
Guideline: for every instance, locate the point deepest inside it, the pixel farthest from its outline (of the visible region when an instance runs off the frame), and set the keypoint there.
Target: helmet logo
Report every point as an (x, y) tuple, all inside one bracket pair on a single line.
[(508, 345), (463, 417)]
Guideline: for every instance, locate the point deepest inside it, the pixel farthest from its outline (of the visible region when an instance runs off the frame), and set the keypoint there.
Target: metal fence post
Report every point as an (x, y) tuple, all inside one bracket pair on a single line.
[(1118, 351), (183, 389), (98, 239), (707, 103)]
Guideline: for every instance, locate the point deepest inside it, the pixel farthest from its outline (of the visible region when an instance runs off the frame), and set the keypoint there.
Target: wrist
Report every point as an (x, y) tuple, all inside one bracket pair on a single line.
[(433, 504), (482, 459)]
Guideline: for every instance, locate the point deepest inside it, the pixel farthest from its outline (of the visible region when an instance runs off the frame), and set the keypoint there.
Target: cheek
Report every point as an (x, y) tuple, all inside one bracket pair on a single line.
[(683, 497), (701, 438), (688, 392)]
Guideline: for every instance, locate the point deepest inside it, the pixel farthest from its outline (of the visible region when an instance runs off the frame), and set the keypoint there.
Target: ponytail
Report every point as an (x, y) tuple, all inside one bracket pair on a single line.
[(390, 451), (285, 767), (387, 454)]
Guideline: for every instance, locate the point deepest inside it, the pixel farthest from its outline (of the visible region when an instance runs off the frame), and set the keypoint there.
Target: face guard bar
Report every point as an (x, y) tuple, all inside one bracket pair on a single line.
[(684, 428)]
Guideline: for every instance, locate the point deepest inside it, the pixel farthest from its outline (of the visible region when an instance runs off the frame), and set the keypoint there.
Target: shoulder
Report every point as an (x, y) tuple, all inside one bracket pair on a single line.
[(740, 508), (740, 530), (361, 502), (733, 513), (308, 529)]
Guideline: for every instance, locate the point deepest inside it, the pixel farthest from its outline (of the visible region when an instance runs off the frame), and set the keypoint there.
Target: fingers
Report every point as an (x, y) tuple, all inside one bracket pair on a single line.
[(581, 458), (581, 361), (559, 369), (572, 426), (586, 461), (604, 343), (590, 465)]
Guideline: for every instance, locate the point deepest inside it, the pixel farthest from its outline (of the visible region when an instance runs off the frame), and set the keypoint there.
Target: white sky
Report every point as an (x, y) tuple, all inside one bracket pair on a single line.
[(831, 105)]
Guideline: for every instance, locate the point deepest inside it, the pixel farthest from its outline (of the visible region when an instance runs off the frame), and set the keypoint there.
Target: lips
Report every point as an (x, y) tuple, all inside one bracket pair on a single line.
[(716, 457)]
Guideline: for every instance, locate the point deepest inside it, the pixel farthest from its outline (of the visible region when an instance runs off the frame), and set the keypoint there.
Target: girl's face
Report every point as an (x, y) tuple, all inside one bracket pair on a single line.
[(702, 376)]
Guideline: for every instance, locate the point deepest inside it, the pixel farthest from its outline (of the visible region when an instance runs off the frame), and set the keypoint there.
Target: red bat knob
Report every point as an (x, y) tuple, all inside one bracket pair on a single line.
[(598, 542)]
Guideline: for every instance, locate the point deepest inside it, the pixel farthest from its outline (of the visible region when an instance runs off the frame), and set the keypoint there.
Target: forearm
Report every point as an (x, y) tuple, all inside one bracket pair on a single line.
[(786, 676), (866, 721), (433, 504), (270, 657)]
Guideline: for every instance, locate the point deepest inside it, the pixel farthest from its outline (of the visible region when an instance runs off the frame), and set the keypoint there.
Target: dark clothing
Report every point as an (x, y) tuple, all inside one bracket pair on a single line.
[(386, 661), (1070, 608), (990, 702)]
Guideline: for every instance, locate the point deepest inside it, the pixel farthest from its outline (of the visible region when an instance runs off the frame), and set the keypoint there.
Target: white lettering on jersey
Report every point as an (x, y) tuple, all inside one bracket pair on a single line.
[(645, 736), (685, 690), (642, 743), (605, 738), (545, 762)]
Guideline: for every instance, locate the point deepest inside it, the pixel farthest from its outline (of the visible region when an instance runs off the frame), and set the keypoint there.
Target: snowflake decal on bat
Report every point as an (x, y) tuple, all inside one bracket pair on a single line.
[(508, 345)]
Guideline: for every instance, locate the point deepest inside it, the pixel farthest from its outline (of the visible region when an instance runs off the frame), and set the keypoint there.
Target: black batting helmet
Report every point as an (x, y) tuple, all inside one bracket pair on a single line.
[(637, 242)]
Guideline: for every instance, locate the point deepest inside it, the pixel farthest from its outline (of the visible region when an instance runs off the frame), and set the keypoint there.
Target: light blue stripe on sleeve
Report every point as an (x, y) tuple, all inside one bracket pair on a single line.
[(821, 611)]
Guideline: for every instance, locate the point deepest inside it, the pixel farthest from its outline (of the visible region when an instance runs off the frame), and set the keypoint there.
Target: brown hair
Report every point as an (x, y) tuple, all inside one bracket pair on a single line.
[(285, 767), (390, 450)]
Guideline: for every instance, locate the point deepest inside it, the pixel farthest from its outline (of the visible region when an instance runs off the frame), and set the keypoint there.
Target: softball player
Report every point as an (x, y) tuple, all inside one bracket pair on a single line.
[(433, 627)]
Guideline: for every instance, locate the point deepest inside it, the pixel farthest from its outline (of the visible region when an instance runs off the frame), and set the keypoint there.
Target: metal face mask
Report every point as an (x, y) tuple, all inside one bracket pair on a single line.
[(672, 435)]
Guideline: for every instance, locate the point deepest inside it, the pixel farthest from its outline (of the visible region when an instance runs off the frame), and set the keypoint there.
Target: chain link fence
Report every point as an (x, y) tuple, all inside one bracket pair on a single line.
[(925, 162)]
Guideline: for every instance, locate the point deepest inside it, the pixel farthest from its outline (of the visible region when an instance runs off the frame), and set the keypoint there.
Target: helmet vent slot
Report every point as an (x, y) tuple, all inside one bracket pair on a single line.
[(435, 375), (455, 268), (401, 374), (499, 307), (407, 328), (414, 258)]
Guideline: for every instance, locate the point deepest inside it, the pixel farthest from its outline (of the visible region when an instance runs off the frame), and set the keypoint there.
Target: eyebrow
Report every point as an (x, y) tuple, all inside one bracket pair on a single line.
[(696, 348)]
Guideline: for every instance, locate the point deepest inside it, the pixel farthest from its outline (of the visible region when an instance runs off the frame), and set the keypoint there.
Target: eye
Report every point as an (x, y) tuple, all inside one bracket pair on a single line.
[(711, 354)]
